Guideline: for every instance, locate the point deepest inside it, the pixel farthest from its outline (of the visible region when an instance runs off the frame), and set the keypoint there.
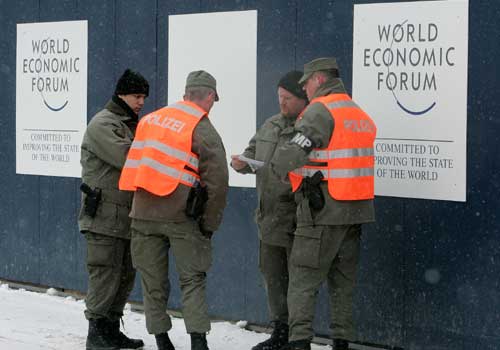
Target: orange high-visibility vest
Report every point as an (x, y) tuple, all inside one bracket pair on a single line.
[(348, 161), (160, 157)]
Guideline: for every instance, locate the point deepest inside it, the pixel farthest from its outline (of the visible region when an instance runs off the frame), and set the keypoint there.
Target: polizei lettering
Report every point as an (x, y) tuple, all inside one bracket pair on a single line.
[(355, 125), (166, 123)]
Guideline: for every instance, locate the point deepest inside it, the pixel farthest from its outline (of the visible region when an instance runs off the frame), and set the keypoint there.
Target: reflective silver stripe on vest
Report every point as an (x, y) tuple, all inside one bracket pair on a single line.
[(335, 173), (161, 168), (131, 163), (341, 153), (170, 151), (188, 109), (308, 172), (350, 173), (342, 104)]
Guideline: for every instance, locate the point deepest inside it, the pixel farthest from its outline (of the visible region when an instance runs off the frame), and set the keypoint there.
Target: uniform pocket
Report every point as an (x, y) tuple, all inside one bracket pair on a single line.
[(192, 250), (265, 145), (101, 251), (306, 246), (107, 214), (285, 216), (112, 216)]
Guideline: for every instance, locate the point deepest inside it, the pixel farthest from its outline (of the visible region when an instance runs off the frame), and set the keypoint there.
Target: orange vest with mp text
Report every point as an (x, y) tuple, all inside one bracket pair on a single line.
[(348, 161), (160, 158)]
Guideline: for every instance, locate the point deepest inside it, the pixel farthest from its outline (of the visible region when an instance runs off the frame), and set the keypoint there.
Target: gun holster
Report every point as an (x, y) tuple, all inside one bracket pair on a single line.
[(312, 191), (195, 204), (92, 199)]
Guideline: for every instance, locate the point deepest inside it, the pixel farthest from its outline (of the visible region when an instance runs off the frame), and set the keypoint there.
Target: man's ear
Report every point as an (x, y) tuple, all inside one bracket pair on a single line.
[(320, 79)]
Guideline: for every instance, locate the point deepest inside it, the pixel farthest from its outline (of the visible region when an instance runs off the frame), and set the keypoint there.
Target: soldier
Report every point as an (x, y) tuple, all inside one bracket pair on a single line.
[(329, 163), (104, 214), (177, 167), (275, 214)]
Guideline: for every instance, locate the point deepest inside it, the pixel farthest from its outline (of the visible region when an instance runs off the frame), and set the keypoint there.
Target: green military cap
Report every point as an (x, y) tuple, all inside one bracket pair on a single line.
[(202, 78), (323, 63)]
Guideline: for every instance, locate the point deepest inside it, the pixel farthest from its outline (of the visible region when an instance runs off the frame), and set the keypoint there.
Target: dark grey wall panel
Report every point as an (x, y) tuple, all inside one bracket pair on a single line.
[(19, 211), (277, 26), (429, 269), (136, 42), (57, 194)]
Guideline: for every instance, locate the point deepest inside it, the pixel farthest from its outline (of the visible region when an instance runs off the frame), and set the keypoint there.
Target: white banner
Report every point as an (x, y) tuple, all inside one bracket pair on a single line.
[(410, 75), (51, 97), (225, 45)]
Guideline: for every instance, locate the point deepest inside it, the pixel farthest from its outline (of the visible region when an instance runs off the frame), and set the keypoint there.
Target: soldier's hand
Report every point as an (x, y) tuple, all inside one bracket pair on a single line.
[(207, 234), (237, 163)]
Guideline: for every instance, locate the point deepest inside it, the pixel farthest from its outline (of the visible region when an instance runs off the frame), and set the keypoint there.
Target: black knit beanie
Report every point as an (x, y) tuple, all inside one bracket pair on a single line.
[(132, 83), (290, 82)]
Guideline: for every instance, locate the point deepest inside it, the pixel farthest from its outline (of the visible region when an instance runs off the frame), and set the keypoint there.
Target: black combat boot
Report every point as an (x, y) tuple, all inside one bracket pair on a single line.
[(198, 341), (303, 344), (97, 338), (340, 344), (278, 339), (163, 342), (119, 339)]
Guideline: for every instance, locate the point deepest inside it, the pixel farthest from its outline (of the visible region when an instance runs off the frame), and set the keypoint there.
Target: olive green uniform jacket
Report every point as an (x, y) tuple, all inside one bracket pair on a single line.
[(317, 124), (327, 241), (275, 213), (103, 153)]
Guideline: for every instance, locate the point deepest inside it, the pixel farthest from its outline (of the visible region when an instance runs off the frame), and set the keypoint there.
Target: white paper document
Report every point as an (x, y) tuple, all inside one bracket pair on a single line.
[(254, 164)]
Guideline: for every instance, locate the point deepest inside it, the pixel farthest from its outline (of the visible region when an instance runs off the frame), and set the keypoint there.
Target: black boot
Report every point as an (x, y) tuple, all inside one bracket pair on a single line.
[(303, 344), (119, 339), (97, 338), (278, 339), (198, 341), (163, 342), (340, 344)]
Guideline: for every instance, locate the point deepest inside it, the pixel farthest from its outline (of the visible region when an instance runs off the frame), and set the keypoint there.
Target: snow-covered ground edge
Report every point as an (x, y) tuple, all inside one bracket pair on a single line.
[(39, 321)]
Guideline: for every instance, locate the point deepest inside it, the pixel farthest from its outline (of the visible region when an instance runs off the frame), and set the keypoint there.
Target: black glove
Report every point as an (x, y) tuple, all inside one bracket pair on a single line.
[(195, 204), (205, 233), (313, 191), (92, 199)]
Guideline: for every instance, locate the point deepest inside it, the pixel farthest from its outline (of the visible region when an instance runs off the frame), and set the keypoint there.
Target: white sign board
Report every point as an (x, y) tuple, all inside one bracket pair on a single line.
[(51, 97), (410, 75), (225, 45)]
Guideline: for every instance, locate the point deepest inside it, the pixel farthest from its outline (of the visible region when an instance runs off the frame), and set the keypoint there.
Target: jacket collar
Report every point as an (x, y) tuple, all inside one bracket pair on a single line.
[(283, 122), (119, 107), (333, 86)]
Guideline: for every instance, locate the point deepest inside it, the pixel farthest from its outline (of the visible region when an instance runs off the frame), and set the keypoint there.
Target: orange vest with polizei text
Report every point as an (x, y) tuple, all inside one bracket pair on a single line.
[(348, 161), (160, 158)]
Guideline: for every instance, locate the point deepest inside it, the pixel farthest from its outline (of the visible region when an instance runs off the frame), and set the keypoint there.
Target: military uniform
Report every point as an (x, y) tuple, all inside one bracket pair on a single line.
[(275, 213), (326, 243), (104, 149), (104, 214), (159, 219), (160, 223)]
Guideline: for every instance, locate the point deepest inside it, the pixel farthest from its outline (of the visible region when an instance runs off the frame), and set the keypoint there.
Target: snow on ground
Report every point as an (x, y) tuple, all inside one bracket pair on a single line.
[(36, 321)]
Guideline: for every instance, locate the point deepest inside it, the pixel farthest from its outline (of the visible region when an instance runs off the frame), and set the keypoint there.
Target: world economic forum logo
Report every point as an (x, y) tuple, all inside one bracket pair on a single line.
[(50, 67), (407, 58)]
